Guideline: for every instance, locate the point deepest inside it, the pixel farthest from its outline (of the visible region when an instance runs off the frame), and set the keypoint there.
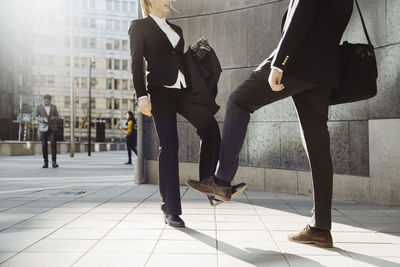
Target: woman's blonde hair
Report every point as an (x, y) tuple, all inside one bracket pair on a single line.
[(146, 7)]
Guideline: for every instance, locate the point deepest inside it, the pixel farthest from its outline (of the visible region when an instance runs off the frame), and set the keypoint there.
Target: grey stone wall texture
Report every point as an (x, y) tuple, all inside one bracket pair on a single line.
[(243, 33)]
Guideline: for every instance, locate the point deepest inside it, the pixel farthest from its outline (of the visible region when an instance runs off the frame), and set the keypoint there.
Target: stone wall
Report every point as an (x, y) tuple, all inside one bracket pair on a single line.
[(243, 33)]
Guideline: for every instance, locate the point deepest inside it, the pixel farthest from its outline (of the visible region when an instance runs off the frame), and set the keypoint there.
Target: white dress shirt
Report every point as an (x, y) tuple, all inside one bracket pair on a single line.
[(47, 108), (174, 38)]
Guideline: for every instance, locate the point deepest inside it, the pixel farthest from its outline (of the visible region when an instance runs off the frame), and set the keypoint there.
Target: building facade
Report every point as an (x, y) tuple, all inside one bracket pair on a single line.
[(15, 67), (100, 33)]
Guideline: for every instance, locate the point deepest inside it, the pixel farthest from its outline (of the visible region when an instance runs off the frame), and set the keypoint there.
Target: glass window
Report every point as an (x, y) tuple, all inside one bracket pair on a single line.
[(50, 80), (109, 83), (92, 23), (109, 63), (76, 62), (108, 103), (76, 42), (77, 83), (76, 22), (117, 104), (117, 25), (84, 22), (84, 3), (125, 45), (125, 104), (124, 6), (67, 42), (84, 41), (85, 82), (92, 4), (116, 84), (84, 62), (124, 84), (124, 64), (116, 64), (67, 82), (67, 101), (50, 61), (93, 43), (67, 61), (117, 5), (109, 24), (109, 43), (116, 44), (109, 5)]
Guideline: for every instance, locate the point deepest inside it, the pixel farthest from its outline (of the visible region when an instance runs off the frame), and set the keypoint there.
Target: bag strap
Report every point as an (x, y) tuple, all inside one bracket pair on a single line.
[(363, 23)]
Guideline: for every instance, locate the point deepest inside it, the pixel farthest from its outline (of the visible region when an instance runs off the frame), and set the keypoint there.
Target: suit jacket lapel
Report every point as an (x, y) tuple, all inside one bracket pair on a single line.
[(177, 31), (158, 29)]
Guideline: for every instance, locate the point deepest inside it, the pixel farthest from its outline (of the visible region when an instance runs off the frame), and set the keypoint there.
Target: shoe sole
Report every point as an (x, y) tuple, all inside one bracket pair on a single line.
[(211, 194), (216, 203), (176, 226), (238, 192), (318, 244)]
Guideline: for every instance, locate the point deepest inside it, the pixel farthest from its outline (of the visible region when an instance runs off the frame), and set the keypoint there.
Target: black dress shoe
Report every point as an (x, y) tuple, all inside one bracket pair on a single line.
[(45, 165), (128, 163), (238, 189), (55, 165), (213, 201), (173, 220)]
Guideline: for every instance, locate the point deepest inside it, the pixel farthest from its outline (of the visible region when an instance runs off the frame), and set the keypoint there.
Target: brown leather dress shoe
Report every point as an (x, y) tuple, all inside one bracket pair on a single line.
[(209, 187), (320, 238)]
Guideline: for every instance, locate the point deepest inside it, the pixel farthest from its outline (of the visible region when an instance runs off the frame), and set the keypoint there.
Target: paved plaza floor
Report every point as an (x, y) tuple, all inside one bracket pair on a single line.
[(89, 212)]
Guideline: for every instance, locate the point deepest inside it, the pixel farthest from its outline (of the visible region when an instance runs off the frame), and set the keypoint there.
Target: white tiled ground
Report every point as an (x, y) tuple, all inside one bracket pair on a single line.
[(90, 213)]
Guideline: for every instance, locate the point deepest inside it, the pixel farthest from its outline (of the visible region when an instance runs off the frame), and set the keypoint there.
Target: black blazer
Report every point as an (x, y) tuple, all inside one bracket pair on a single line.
[(311, 34), (148, 41)]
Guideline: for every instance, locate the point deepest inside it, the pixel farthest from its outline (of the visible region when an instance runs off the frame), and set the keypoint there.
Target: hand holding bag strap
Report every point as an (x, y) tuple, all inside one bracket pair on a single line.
[(363, 23)]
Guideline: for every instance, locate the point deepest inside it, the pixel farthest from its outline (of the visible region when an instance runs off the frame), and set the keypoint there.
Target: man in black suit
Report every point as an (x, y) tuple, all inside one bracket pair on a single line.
[(47, 115), (305, 66)]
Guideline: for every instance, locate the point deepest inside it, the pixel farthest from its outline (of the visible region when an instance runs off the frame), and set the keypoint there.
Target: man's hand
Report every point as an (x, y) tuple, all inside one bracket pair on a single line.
[(275, 79), (45, 120), (145, 106)]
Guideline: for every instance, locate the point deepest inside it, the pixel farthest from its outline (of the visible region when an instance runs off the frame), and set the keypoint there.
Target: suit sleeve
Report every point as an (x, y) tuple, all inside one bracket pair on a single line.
[(300, 18), (137, 48), (56, 111), (37, 115)]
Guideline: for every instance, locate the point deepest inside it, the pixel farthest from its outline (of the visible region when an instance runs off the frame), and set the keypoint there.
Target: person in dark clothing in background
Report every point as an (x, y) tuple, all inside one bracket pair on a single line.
[(131, 136), (47, 115)]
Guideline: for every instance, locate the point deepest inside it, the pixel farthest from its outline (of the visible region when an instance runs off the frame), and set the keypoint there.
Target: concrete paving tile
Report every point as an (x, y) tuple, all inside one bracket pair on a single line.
[(368, 261), (237, 218), (124, 246), (310, 261), (201, 225), (57, 216), (159, 224), (43, 224), (117, 259), (249, 211), (42, 259), (285, 219), (304, 249), (183, 260), (141, 234), (19, 233), (384, 250), (285, 226), (108, 210), (244, 235), (352, 237), (198, 217), (240, 226), (187, 234), (278, 212), (252, 260), (62, 245), (91, 224), (77, 234), (103, 217), (4, 255), (15, 245), (236, 247), (187, 246)]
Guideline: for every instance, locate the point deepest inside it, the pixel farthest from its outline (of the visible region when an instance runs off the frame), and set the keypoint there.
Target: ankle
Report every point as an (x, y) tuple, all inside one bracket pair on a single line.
[(221, 182)]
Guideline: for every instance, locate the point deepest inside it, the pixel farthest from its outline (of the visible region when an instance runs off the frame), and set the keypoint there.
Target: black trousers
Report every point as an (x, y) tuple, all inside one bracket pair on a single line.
[(312, 102), (131, 141), (44, 137), (166, 103)]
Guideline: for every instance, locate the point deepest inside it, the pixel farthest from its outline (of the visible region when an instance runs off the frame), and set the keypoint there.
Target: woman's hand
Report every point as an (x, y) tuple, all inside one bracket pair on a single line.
[(275, 79), (145, 106)]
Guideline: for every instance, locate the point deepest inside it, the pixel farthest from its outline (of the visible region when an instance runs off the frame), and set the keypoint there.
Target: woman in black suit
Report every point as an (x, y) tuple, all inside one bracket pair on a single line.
[(161, 43)]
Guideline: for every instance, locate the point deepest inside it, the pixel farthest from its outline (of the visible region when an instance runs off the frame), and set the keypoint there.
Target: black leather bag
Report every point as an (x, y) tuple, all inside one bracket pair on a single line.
[(358, 71)]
